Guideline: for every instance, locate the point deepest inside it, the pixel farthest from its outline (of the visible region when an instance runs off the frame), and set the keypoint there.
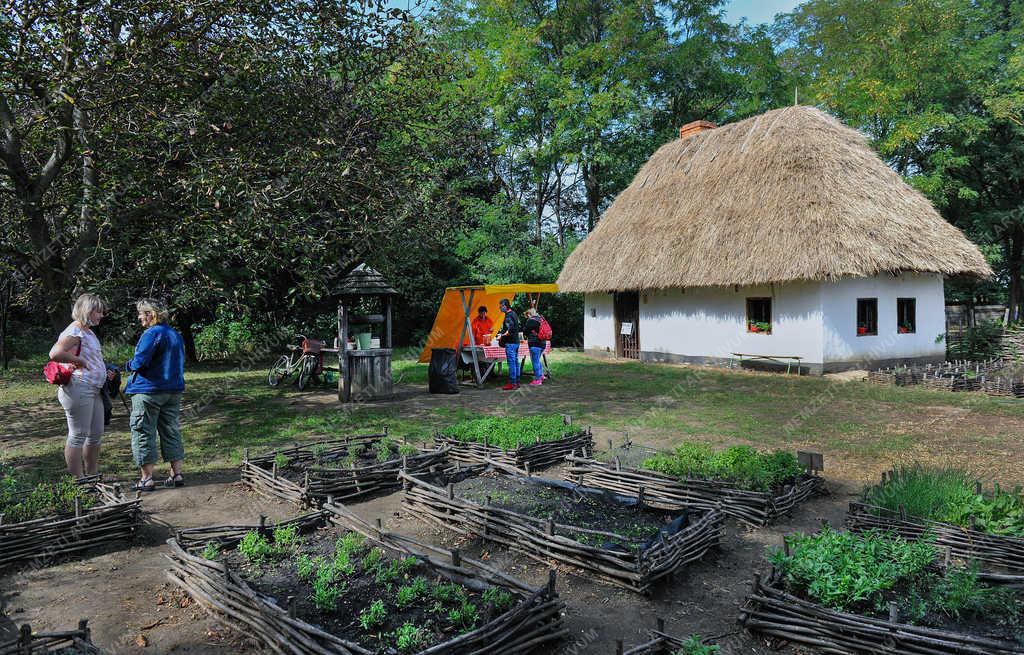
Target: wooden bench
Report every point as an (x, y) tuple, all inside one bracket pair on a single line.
[(788, 360)]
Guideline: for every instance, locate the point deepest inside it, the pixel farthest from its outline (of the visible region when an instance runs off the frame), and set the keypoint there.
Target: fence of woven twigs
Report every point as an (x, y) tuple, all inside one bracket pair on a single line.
[(771, 611), (544, 540), (1000, 557), (114, 517), (534, 621), (756, 508), (321, 480), (531, 457), (995, 377), (77, 641), (658, 643)]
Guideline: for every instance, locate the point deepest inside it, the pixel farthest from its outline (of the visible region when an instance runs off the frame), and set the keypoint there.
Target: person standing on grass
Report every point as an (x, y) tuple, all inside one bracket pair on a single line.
[(509, 337), (156, 382), (80, 398), (531, 329)]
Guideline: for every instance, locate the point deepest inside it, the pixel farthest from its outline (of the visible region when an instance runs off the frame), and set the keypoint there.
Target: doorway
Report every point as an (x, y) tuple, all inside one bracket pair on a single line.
[(627, 327)]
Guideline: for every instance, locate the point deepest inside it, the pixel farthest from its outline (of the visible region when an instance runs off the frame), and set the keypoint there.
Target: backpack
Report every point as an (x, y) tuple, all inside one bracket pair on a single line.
[(544, 333)]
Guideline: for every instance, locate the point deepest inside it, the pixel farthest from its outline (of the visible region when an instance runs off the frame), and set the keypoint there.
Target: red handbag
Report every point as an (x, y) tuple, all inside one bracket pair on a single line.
[(60, 372)]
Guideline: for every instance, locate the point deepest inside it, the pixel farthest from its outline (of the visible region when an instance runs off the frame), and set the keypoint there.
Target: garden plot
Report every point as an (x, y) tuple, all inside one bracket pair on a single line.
[(347, 469), (611, 537), (354, 589), (661, 643), (71, 642), (951, 510), (755, 488), (531, 443), (55, 519), (842, 592)]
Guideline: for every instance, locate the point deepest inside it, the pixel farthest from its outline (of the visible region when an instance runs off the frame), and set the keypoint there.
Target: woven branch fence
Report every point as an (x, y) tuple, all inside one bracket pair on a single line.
[(78, 641), (535, 456), (756, 508), (995, 377), (319, 482), (115, 517), (772, 611), (1001, 558), (658, 643), (535, 620), (544, 540)]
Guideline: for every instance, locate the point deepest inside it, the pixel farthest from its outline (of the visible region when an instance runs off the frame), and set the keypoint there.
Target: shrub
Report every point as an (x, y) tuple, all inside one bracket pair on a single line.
[(741, 465), (509, 433)]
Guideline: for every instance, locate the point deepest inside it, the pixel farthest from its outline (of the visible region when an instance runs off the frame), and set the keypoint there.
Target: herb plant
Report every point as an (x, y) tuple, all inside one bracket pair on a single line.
[(409, 638), (693, 645), (211, 551), (373, 615), (255, 548), (508, 433), (19, 502), (741, 465)]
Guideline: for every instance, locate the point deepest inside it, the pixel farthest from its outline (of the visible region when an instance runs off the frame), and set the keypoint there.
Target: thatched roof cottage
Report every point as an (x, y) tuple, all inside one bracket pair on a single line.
[(782, 234)]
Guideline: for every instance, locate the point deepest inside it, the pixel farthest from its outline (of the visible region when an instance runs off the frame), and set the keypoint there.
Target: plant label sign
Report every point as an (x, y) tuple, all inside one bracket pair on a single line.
[(626, 330)]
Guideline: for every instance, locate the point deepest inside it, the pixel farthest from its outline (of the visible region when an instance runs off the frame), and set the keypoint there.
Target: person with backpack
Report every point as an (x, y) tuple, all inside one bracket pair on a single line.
[(509, 338), (537, 331)]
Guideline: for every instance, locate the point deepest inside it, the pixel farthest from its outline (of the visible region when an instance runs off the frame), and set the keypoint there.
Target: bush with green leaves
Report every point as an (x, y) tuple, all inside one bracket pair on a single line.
[(509, 433), (20, 502), (949, 495), (741, 465)]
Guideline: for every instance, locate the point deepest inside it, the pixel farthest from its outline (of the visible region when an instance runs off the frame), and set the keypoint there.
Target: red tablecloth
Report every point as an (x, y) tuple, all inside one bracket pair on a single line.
[(498, 352)]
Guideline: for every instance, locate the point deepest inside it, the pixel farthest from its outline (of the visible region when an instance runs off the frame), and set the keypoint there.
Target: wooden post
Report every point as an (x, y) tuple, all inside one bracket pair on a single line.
[(451, 491), (456, 558), (640, 499), (618, 647), (552, 576), (342, 352), (25, 639), (660, 624), (387, 322), (467, 307)]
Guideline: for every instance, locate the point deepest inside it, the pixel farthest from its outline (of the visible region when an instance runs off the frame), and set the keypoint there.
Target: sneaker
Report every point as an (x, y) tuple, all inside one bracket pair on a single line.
[(510, 387), (536, 383)]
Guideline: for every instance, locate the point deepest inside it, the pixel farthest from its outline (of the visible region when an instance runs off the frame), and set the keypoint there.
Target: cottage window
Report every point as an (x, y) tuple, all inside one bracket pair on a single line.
[(867, 316), (759, 315), (906, 315)]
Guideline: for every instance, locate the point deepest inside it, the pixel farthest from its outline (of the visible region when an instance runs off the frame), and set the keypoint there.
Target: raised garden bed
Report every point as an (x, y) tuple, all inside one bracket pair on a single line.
[(661, 643), (681, 489), (612, 537), (947, 508), (347, 469), (372, 591), (871, 593), (72, 642), (995, 377), (58, 519), (531, 443)]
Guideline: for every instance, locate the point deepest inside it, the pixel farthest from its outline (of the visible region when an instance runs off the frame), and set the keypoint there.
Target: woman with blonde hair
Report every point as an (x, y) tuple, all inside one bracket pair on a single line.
[(156, 382), (80, 397)]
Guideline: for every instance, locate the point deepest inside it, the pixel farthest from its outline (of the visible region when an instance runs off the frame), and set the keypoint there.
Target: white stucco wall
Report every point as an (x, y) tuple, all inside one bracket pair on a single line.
[(712, 322), (598, 322), (839, 307)]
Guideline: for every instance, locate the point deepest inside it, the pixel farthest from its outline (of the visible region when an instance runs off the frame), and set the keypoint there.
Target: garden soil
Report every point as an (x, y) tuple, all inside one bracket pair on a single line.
[(133, 609)]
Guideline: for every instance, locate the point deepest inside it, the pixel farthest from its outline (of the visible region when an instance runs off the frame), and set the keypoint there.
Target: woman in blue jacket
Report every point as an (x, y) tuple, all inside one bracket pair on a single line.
[(156, 382)]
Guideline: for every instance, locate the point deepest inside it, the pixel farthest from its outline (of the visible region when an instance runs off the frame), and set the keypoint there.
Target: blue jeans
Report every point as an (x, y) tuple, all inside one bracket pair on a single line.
[(512, 356), (538, 370)]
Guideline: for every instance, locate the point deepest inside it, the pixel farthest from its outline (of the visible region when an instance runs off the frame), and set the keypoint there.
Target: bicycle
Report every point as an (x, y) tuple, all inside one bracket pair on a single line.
[(305, 357)]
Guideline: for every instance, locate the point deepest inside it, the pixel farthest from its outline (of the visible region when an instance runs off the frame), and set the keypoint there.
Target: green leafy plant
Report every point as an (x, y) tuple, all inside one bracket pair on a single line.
[(741, 465), (464, 617), (384, 450), (211, 551), (281, 460), (374, 615), (305, 565), (949, 495), (372, 560), (408, 594), (498, 598), (319, 451), (693, 645), (326, 589), (407, 450), (509, 433), (410, 638), (287, 538), (19, 502), (255, 547), (448, 593)]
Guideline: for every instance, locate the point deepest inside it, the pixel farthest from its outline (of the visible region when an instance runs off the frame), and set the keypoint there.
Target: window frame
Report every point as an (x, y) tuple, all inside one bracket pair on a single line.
[(857, 321), (900, 304), (750, 319)]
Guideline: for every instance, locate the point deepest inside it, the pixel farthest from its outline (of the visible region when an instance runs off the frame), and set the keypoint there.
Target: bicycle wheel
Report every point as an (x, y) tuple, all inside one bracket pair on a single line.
[(306, 372), (278, 371)]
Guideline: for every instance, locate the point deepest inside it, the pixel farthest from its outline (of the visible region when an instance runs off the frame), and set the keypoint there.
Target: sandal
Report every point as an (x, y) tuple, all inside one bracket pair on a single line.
[(145, 484), (177, 480)]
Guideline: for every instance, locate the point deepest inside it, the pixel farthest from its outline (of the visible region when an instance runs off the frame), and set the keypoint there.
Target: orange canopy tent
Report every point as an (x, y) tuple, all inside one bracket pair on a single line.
[(452, 325)]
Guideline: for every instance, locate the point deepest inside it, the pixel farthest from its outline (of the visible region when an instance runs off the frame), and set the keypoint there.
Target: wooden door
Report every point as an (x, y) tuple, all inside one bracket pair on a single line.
[(627, 325)]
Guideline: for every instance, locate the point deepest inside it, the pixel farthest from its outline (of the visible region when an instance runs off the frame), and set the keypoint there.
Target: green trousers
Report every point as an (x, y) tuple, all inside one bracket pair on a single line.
[(156, 414)]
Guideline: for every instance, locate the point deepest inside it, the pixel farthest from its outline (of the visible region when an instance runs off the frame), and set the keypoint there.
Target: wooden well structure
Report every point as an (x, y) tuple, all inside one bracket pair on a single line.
[(364, 300)]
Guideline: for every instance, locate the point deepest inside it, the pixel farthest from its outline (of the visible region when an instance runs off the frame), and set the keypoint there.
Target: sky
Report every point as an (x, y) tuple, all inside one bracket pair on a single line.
[(757, 11)]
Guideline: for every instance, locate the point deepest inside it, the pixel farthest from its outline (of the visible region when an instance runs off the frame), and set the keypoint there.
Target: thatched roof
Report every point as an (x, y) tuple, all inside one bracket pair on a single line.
[(791, 194), (364, 281)]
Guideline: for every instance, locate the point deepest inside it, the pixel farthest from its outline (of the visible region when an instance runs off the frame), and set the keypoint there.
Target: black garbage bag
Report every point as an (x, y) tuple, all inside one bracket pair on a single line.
[(442, 372)]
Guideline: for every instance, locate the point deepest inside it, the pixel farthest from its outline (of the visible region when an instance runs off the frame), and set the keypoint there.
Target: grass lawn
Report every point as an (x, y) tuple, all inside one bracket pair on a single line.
[(862, 429)]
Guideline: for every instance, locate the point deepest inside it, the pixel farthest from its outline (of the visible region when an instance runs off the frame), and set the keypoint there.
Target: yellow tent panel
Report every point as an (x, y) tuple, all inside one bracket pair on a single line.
[(451, 317)]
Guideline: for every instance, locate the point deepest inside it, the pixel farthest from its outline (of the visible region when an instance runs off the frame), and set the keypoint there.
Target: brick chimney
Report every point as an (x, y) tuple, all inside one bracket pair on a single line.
[(690, 129)]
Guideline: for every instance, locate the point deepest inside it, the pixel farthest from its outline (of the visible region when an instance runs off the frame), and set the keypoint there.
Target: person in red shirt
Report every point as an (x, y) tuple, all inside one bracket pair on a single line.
[(482, 326)]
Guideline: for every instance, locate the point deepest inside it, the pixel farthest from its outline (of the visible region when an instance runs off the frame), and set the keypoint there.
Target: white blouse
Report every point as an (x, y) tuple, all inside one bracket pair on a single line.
[(92, 353)]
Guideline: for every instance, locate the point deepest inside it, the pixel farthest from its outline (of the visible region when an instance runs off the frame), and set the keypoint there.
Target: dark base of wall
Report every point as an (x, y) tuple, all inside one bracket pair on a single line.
[(806, 368)]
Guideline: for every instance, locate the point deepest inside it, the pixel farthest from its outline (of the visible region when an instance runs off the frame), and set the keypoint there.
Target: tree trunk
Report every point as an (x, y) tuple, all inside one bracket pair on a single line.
[(189, 338), (1015, 297), (5, 304), (593, 186)]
